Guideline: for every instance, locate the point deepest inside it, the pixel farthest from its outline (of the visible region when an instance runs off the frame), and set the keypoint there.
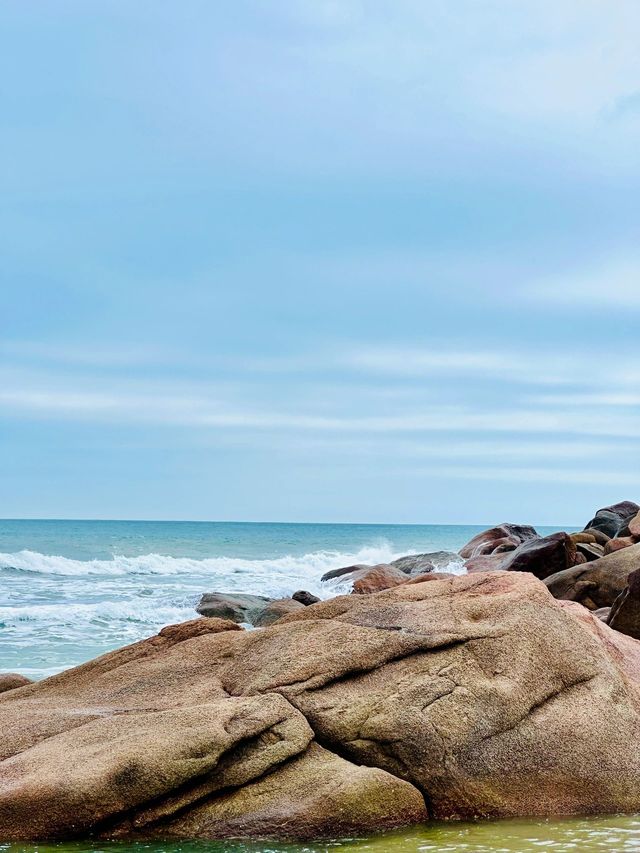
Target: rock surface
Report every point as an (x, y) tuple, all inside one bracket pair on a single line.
[(304, 597), (611, 520), (234, 606), (504, 537), (596, 584), (276, 610), (624, 615), (542, 556), (481, 692), (368, 579), (12, 680)]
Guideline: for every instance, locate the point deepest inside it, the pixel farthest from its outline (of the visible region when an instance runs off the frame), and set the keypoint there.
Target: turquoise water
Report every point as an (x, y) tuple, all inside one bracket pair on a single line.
[(71, 590)]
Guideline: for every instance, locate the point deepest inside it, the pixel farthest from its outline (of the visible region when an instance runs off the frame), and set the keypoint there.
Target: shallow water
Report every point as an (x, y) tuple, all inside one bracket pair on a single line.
[(586, 835)]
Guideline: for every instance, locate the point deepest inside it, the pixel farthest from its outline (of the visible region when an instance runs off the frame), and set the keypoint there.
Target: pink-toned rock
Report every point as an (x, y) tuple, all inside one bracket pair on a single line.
[(634, 526), (431, 576), (501, 537), (377, 578), (485, 563), (276, 610), (12, 680), (618, 544)]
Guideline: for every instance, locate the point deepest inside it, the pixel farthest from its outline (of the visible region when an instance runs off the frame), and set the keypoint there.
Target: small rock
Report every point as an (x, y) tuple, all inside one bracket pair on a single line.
[(618, 544), (12, 680), (421, 563), (276, 610), (600, 537), (377, 578), (583, 536), (634, 526), (591, 550), (233, 606), (305, 597)]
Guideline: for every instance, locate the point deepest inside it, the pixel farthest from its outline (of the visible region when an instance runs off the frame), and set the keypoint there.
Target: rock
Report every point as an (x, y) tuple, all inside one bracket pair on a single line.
[(634, 525), (591, 550), (612, 519), (625, 611), (479, 691), (602, 613), (368, 579), (583, 536), (276, 610), (596, 584), (422, 563), (430, 576), (618, 544), (345, 570), (541, 557), (497, 537), (305, 597), (12, 680), (413, 564), (234, 606), (600, 537), (315, 795)]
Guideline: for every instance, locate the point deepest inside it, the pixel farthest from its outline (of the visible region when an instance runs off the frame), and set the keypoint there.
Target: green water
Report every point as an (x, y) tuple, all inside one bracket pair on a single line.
[(613, 834)]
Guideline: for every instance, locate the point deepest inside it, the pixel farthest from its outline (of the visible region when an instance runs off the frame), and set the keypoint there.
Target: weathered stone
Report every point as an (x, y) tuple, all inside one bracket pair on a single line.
[(368, 579), (634, 526), (305, 597), (618, 544), (345, 570), (541, 557), (485, 563), (602, 613), (480, 691), (625, 611), (591, 550), (612, 519), (234, 606), (583, 536), (497, 537), (12, 680), (600, 537), (276, 610), (596, 584), (433, 561)]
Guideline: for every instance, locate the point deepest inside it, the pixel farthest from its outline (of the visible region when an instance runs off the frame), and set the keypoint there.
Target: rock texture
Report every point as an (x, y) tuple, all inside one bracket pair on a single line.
[(504, 537), (542, 556), (624, 615), (612, 520), (596, 584), (276, 610), (304, 597), (12, 680), (460, 697), (234, 606)]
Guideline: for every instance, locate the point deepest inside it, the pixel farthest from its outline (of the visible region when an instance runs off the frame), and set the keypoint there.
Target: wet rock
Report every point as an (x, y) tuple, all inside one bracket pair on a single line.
[(596, 584), (276, 610), (345, 570), (12, 680), (625, 611), (414, 564), (613, 519), (367, 579), (541, 557), (234, 606), (305, 597), (503, 537)]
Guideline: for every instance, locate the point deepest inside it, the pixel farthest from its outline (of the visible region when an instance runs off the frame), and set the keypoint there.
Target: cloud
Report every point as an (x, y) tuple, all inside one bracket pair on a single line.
[(612, 284), (579, 476)]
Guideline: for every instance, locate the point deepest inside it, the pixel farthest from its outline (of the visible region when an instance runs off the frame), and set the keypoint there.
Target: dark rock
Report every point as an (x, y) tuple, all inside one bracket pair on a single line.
[(543, 556), (276, 610), (634, 526), (613, 519), (596, 584), (422, 563), (234, 606), (12, 680), (497, 537), (600, 537), (305, 597), (591, 551), (625, 610), (345, 570)]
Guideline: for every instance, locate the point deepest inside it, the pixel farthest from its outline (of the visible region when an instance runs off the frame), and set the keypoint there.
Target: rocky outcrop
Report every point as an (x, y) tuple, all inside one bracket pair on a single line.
[(504, 537), (596, 584), (276, 610), (459, 697), (612, 520), (624, 615), (12, 680), (414, 564), (234, 606), (541, 556)]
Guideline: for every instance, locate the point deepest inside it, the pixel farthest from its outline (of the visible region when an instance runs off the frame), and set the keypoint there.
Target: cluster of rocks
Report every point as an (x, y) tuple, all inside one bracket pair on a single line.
[(494, 693)]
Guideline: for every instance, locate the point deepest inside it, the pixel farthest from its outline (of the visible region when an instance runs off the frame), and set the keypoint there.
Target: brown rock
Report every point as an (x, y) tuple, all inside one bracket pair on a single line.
[(543, 556), (625, 611), (613, 519), (305, 597), (596, 584), (480, 691), (600, 537), (618, 544), (497, 537), (431, 576), (12, 680), (368, 579), (485, 563), (276, 610), (634, 526), (583, 536)]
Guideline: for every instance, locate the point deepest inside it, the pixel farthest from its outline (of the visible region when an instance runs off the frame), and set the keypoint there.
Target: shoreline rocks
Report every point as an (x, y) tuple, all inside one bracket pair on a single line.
[(453, 697), (12, 681)]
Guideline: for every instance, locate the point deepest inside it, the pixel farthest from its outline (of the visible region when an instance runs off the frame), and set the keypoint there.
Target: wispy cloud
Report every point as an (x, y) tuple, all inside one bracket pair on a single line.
[(610, 284)]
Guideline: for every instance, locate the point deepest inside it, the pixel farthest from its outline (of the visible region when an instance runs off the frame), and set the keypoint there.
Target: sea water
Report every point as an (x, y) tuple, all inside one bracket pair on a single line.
[(70, 590)]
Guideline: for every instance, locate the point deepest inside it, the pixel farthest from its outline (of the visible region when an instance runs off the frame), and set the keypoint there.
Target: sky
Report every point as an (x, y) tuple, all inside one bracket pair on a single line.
[(319, 260)]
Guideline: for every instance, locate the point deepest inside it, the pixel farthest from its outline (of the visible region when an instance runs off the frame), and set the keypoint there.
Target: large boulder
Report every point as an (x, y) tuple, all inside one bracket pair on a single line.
[(596, 584), (541, 556), (504, 537), (237, 607), (438, 561), (367, 579), (12, 680), (624, 615), (612, 520), (469, 696)]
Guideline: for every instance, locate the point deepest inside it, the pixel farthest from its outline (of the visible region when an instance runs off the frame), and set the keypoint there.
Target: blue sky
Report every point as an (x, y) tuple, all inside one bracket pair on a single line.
[(313, 260)]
